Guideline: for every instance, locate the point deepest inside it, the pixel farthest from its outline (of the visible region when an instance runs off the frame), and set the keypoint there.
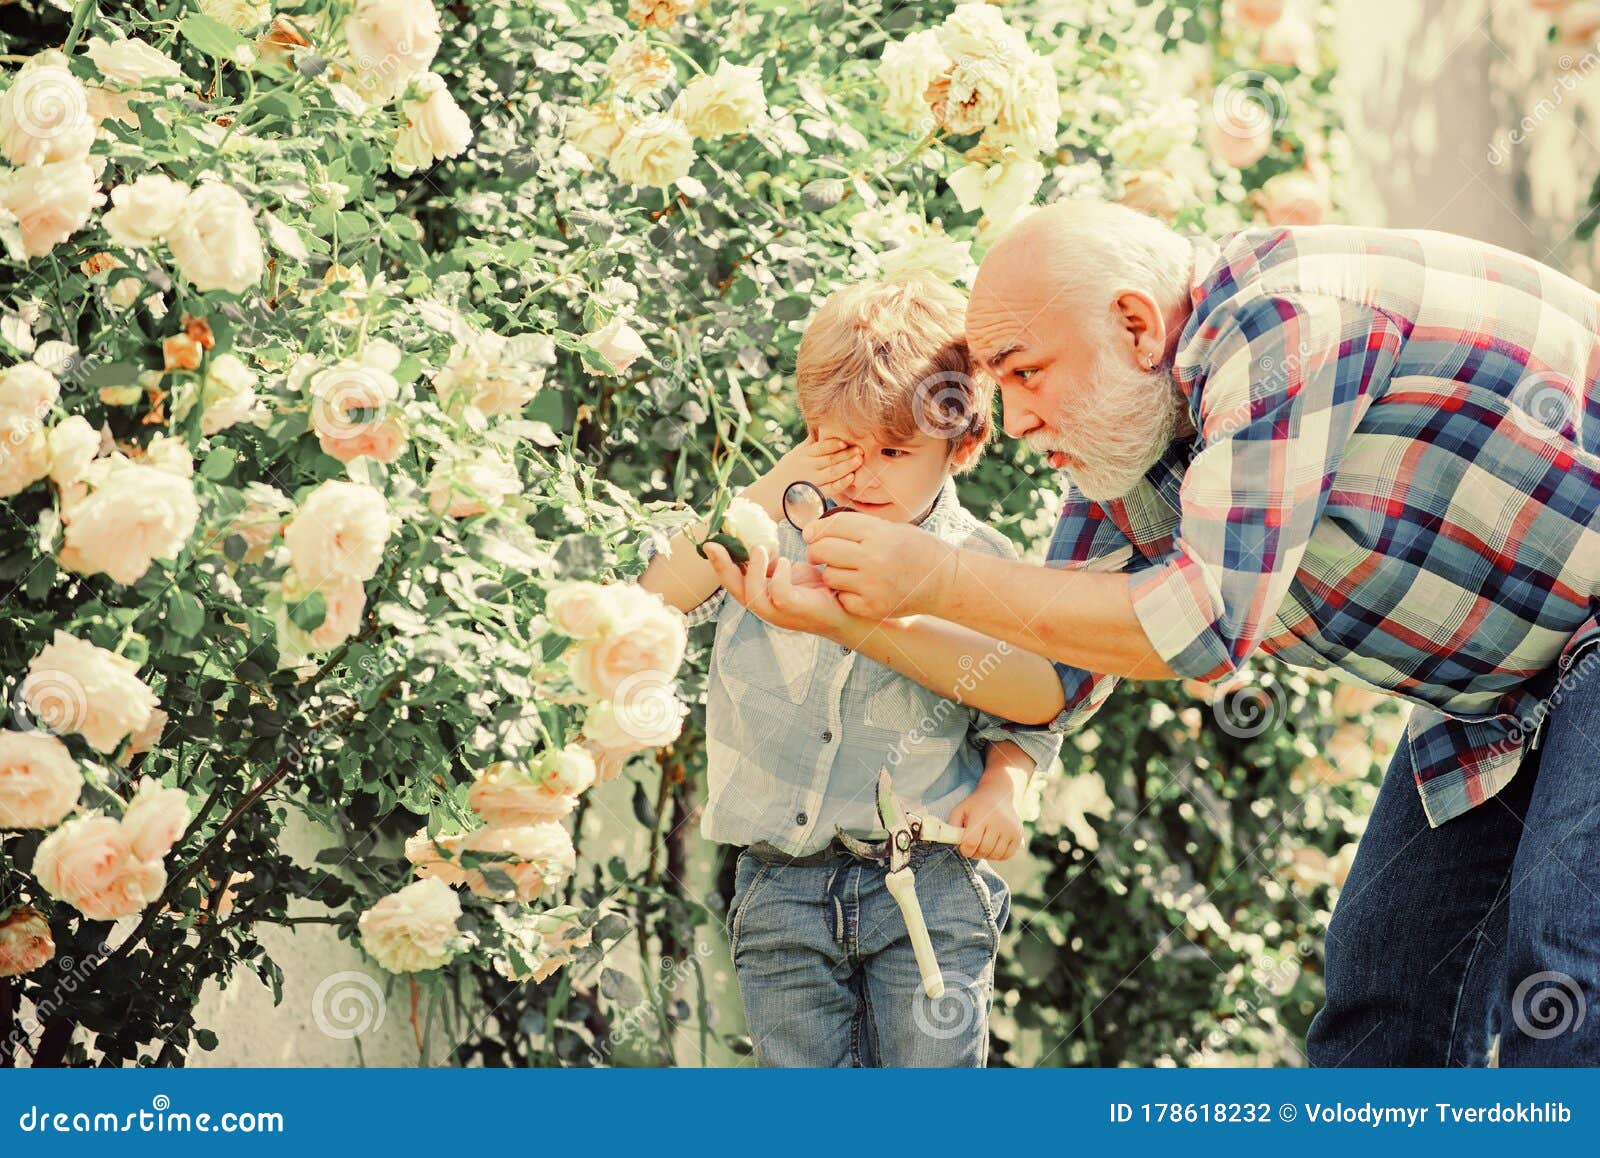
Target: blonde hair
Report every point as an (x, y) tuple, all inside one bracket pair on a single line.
[(890, 357)]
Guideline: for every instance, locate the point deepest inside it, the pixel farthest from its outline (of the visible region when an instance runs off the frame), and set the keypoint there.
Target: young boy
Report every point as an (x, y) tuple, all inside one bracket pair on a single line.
[(798, 724)]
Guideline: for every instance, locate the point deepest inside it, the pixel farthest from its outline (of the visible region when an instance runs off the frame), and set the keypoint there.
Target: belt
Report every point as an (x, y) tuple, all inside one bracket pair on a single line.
[(836, 853)]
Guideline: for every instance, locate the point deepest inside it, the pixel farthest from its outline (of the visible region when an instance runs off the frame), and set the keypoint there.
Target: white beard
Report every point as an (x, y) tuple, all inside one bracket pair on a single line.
[(1132, 417)]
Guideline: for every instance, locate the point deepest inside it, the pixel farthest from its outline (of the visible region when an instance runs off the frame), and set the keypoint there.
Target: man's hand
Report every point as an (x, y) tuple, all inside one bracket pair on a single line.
[(990, 817), (881, 570), (790, 596)]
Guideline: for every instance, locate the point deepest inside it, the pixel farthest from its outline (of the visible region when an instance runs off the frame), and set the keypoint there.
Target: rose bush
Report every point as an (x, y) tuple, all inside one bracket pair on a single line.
[(352, 348)]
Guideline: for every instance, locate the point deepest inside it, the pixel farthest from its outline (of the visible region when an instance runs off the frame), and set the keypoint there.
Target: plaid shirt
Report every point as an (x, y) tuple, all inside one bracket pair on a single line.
[(1395, 476), (798, 726)]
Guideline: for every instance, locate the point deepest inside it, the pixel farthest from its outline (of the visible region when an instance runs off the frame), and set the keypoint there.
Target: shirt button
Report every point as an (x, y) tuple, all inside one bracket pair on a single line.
[(843, 650), (800, 818), (827, 737)]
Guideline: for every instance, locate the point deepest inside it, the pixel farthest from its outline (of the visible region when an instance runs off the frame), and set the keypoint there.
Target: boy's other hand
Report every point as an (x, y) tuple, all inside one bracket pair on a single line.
[(830, 463), (994, 830)]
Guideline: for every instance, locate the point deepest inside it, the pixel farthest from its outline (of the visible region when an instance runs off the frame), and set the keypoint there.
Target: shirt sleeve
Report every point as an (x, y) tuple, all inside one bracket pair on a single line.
[(1282, 383), (703, 612)]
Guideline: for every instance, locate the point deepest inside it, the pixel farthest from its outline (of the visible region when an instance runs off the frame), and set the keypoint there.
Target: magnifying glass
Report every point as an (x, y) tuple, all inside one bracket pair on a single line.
[(804, 504)]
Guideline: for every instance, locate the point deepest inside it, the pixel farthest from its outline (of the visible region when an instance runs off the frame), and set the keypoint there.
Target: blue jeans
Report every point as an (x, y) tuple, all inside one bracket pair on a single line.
[(826, 969), (1444, 938)]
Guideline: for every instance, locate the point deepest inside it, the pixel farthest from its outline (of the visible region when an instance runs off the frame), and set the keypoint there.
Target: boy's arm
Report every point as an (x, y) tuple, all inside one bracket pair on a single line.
[(989, 814), (685, 580)]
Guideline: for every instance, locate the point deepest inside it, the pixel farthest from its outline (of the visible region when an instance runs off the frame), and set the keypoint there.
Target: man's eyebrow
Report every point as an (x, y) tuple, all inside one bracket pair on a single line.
[(1005, 352)]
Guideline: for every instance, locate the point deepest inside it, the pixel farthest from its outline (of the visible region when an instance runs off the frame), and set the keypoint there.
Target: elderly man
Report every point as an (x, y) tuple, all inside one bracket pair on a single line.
[(1358, 450)]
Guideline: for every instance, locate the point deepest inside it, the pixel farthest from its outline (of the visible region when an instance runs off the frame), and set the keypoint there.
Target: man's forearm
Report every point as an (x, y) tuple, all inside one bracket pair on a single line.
[(1082, 618), (960, 664)]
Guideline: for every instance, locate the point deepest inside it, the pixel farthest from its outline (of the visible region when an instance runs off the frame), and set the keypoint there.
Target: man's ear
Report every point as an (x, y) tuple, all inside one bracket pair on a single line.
[(1144, 328)]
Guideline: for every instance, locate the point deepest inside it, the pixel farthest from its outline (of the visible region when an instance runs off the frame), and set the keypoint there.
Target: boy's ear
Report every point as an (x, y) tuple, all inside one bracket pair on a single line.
[(966, 453)]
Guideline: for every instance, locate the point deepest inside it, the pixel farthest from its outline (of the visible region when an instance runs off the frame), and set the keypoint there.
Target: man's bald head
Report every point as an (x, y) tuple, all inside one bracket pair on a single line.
[(1072, 259), (1075, 312)]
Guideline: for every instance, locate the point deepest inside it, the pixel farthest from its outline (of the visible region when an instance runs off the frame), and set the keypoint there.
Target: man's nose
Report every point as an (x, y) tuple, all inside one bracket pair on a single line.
[(1019, 420)]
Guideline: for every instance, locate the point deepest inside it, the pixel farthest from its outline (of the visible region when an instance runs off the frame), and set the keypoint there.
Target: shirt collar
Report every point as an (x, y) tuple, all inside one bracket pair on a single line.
[(1206, 254)]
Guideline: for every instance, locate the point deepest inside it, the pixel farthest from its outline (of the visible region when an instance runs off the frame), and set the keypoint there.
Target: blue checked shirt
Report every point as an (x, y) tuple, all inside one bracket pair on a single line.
[(1395, 475), (797, 726)]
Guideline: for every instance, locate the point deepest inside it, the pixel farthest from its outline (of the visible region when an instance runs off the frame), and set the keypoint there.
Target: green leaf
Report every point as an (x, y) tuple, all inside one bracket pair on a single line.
[(643, 810), (309, 613), (185, 614), (206, 1039), (209, 35)]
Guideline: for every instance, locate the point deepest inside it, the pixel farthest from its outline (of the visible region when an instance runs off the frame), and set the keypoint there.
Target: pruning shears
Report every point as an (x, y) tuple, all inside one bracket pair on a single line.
[(901, 830)]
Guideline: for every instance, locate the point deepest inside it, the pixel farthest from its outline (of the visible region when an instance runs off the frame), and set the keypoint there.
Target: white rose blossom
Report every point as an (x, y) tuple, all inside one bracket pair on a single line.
[(653, 152), (216, 242), (751, 525), (722, 103)]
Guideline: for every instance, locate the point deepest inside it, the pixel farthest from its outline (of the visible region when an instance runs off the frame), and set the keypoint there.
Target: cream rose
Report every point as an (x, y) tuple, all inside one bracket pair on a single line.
[(73, 444), (619, 343), (1153, 191), (582, 609), (88, 863), (751, 525), (636, 69), (413, 929), (239, 15), (39, 780), (980, 30), (653, 151), (1294, 198), (722, 103), (229, 396), (215, 242), (339, 532), (647, 643), (133, 515), (510, 794), (355, 407), (154, 820), (436, 127), (24, 453), (144, 212), (74, 686), (461, 489), (494, 374), (50, 202), (595, 131), (905, 70), (999, 191), (29, 389), (25, 942), (344, 602), (635, 723), (44, 115), (391, 42), (537, 856), (131, 62)]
